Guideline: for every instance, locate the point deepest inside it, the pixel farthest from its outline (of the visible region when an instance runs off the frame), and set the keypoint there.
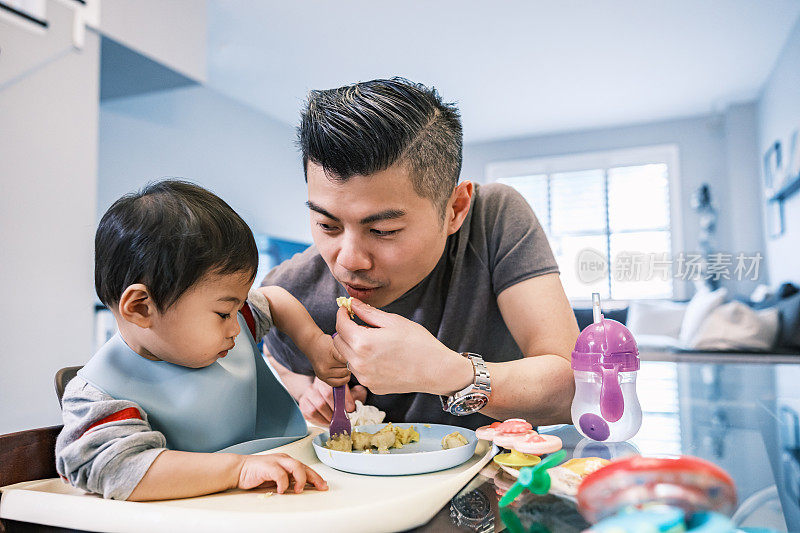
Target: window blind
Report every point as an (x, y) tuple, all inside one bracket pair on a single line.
[(620, 213)]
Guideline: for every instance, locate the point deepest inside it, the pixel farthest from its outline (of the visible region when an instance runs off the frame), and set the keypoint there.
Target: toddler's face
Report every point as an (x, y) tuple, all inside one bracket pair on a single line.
[(201, 326)]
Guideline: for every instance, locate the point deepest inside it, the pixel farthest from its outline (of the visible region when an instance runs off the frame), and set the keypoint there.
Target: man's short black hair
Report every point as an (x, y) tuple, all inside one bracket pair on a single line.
[(168, 236), (367, 127)]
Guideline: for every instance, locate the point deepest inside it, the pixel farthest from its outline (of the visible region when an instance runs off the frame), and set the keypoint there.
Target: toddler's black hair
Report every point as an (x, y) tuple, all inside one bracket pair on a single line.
[(168, 236)]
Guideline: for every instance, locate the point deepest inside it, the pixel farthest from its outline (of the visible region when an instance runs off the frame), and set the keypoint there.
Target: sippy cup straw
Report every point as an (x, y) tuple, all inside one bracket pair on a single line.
[(597, 315), (535, 479)]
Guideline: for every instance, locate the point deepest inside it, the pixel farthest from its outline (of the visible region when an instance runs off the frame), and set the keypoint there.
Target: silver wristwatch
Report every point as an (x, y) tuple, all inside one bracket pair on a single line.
[(474, 396)]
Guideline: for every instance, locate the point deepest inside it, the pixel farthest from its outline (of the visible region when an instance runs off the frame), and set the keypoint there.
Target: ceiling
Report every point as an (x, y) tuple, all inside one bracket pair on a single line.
[(515, 67)]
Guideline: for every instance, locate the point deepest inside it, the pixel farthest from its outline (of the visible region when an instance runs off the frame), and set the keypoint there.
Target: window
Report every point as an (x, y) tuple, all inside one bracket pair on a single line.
[(599, 206)]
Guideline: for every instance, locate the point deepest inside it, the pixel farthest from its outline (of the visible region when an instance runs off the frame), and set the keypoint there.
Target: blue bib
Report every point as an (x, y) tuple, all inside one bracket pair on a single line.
[(233, 405)]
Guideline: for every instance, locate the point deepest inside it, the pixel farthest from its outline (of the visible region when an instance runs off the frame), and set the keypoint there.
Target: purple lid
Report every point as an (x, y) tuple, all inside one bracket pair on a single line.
[(605, 342)]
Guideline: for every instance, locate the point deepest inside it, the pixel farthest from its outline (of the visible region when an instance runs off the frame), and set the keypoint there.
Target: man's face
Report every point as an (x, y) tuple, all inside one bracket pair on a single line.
[(378, 237)]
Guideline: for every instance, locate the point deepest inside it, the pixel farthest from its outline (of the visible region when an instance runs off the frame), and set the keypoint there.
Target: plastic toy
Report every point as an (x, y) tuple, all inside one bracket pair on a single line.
[(688, 483), (517, 435), (535, 479)]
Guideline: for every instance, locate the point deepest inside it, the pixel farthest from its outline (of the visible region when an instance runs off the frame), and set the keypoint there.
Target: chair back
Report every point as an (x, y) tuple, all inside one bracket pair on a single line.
[(28, 455), (62, 378)]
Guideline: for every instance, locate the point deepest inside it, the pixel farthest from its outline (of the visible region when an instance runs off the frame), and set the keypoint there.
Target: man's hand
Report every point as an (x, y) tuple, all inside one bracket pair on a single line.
[(276, 467), (316, 403), (397, 355), (328, 365)]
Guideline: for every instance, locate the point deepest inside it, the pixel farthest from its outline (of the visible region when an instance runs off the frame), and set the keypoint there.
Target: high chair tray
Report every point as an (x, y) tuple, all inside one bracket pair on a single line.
[(353, 502)]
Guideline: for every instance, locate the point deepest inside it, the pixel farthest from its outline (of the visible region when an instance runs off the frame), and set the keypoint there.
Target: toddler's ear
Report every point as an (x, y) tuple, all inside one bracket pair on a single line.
[(136, 306)]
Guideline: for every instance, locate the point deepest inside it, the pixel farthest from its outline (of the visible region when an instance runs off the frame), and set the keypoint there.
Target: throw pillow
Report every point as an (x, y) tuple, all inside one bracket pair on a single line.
[(655, 317), (700, 306), (736, 327)]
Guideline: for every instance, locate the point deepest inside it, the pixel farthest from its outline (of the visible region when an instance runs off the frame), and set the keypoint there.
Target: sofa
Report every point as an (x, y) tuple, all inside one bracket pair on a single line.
[(712, 322)]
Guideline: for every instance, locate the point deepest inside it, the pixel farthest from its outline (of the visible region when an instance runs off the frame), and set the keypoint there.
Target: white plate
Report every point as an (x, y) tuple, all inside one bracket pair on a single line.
[(420, 457)]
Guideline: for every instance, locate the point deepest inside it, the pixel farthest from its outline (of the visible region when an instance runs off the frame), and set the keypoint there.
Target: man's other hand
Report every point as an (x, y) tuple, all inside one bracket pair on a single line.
[(316, 403)]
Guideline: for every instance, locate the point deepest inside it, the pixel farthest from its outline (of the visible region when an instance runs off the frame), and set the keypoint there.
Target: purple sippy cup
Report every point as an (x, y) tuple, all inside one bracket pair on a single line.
[(605, 361)]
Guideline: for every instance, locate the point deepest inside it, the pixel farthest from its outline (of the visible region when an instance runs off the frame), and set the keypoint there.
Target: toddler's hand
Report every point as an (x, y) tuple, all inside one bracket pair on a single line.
[(328, 365), (259, 469)]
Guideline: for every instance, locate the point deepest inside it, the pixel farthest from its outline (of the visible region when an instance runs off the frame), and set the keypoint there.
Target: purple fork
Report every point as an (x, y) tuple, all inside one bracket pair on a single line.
[(339, 423)]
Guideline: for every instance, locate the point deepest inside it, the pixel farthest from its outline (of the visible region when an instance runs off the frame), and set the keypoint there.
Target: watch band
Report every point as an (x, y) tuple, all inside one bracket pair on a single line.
[(474, 396), (482, 380)]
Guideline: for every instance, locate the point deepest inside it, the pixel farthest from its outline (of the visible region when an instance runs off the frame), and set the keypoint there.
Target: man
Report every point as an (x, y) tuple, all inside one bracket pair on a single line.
[(437, 269)]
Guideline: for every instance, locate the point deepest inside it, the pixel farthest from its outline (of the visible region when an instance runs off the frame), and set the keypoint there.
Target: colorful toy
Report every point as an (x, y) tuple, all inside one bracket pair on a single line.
[(536, 444), (535, 479), (605, 361), (688, 483), (666, 519), (515, 460), (526, 445), (517, 435), (659, 519), (585, 465), (511, 426)]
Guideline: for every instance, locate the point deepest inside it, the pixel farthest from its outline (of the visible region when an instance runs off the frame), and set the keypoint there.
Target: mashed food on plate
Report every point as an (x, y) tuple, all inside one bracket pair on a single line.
[(388, 437), (453, 440)]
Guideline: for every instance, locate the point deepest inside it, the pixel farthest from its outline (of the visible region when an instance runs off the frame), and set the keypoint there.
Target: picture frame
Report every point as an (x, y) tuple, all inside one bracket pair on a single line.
[(774, 215), (793, 156), (773, 164)]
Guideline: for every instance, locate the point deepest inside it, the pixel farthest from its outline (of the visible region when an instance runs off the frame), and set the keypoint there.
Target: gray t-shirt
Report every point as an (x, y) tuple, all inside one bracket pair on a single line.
[(500, 244)]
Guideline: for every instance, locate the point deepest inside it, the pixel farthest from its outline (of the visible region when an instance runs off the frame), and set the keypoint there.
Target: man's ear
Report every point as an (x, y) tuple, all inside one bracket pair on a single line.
[(458, 206), (136, 306)]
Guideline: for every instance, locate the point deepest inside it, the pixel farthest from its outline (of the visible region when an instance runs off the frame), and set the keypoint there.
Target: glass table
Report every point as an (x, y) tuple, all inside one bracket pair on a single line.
[(741, 413)]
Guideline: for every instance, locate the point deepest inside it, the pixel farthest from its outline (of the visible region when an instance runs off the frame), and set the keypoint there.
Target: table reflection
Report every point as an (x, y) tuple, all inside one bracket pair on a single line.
[(744, 417)]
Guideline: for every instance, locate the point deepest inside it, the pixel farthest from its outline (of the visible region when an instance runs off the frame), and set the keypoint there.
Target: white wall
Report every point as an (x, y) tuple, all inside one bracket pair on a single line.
[(247, 158), (719, 150), (779, 115), (743, 194), (48, 146), (172, 33)]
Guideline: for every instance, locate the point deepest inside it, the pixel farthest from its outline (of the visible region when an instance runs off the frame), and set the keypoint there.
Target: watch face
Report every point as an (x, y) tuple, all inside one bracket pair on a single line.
[(472, 511), (469, 403), (473, 505)]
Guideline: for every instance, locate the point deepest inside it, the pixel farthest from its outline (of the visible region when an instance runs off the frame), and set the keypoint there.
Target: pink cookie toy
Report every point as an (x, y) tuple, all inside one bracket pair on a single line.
[(507, 432), (536, 444), (514, 425), (508, 429), (525, 448), (510, 440), (487, 432)]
